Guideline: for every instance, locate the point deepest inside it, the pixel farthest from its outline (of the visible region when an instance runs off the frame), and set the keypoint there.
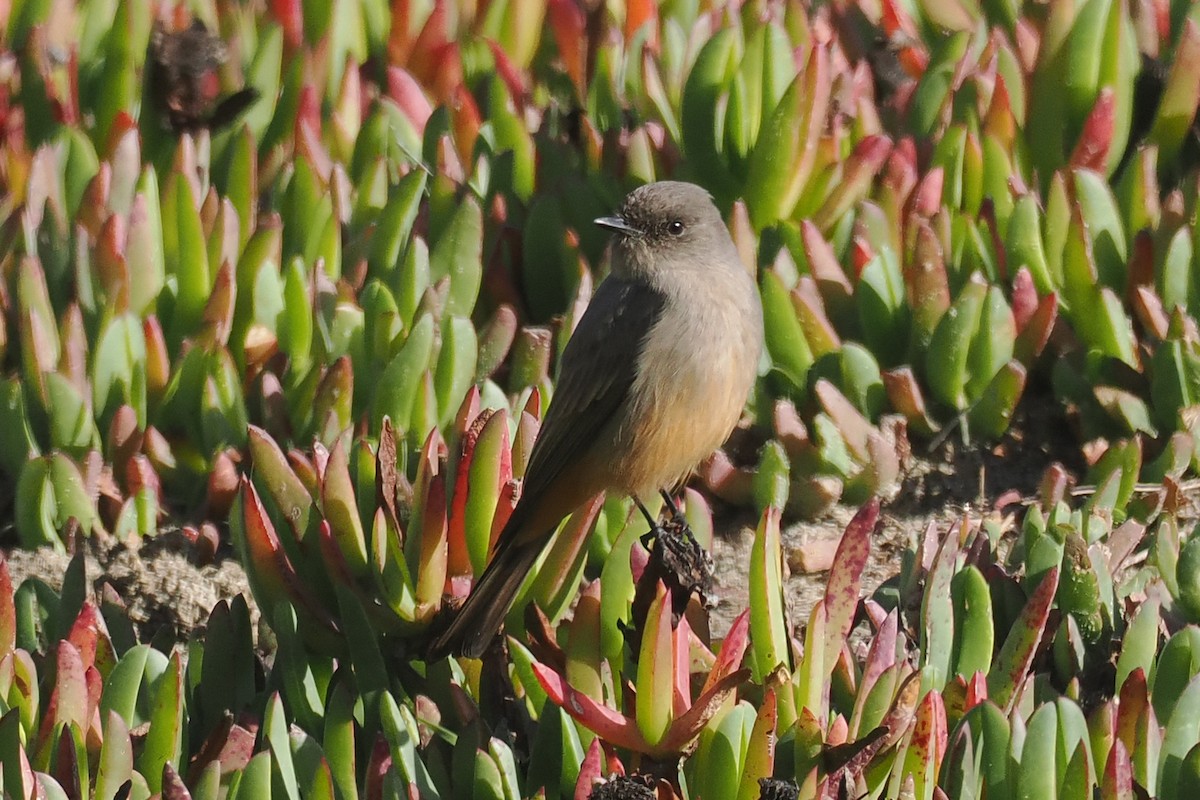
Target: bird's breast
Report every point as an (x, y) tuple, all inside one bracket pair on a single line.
[(695, 369)]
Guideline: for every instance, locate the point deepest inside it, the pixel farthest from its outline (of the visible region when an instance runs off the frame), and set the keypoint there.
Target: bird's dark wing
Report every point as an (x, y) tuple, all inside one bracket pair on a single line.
[(598, 368)]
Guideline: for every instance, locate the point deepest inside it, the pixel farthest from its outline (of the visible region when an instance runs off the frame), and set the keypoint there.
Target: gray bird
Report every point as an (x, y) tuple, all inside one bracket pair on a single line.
[(653, 379)]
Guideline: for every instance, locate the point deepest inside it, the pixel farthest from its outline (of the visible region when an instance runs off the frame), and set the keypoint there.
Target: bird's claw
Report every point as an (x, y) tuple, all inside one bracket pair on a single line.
[(649, 537)]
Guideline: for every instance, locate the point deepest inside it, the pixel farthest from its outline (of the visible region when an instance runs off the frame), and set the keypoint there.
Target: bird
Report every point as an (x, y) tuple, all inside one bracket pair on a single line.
[(652, 380)]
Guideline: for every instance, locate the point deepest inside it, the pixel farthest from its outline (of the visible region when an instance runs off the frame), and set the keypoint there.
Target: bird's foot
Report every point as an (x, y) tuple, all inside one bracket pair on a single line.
[(675, 522), (676, 514), (651, 536), (655, 529), (682, 560)]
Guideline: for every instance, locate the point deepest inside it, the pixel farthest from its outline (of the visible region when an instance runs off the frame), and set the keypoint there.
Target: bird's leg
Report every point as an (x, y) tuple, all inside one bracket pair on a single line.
[(677, 557), (676, 514), (645, 512), (679, 522), (655, 529)]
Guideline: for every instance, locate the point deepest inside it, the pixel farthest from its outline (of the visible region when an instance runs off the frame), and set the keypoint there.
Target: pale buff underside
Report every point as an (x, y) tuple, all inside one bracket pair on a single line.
[(685, 406)]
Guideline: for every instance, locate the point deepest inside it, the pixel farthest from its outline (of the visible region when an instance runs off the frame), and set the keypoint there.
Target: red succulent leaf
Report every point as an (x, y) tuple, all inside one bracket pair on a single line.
[(26, 781), (320, 461), (505, 504), (465, 121), (999, 121), (69, 105), (1053, 485), (831, 279), (928, 198), (882, 653), (123, 124), (1034, 337), (533, 404), (569, 25), (331, 554), (1134, 702), (1024, 298), (445, 73), (860, 255), (607, 723), (222, 484), (266, 552), (681, 649), (379, 769), (1117, 781), (542, 641), (111, 267), (1011, 666), (65, 769), (158, 363), (291, 19), (615, 767), (638, 14), (617, 729), (94, 209), (8, 611), (1150, 311), (896, 20), (929, 732), (434, 34), (733, 649), (844, 583), (93, 728), (789, 428), (639, 558), (86, 631), (308, 134), (976, 690), (140, 476), (900, 173), (68, 699), (229, 745), (591, 771), (510, 73), (687, 727), (459, 559), (1091, 151), (839, 732), (403, 88)]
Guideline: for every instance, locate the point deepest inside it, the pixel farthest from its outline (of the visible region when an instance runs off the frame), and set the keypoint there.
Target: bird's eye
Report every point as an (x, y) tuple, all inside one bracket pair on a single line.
[(675, 228)]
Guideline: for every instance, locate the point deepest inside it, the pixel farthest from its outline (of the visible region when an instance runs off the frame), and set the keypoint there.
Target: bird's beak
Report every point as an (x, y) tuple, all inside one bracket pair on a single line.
[(617, 224)]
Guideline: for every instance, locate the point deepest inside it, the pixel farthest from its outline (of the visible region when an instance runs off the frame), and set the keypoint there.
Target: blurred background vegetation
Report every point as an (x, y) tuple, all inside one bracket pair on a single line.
[(291, 279)]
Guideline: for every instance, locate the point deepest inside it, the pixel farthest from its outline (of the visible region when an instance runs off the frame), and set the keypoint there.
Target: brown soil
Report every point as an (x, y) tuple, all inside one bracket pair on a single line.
[(166, 593)]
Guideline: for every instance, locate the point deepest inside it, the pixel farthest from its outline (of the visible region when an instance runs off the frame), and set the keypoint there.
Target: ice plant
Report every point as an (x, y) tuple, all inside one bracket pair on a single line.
[(960, 215), (666, 718)]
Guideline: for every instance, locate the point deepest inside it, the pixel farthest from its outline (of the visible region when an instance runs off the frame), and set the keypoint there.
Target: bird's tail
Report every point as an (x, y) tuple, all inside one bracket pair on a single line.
[(479, 618)]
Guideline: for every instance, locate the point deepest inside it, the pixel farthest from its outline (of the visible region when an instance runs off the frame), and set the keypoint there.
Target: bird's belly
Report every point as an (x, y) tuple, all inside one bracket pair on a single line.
[(683, 418)]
